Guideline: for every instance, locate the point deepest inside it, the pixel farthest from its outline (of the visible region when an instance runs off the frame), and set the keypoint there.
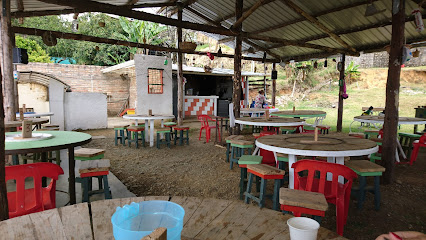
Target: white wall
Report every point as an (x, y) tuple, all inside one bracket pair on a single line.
[(159, 103), (33, 95), (56, 100), (85, 110)]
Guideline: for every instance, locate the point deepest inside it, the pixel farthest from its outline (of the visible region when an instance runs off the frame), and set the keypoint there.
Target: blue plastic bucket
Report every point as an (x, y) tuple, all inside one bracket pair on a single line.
[(137, 220)]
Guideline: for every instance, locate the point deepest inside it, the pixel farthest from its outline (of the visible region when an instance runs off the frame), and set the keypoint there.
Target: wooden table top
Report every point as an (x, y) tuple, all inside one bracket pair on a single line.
[(204, 219), (327, 145), (18, 123), (274, 121), (300, 113)]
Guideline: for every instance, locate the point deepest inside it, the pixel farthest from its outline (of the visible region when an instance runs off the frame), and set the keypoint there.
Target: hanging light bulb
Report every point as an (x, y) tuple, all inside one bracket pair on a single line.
[(325, 63), (219, 52)]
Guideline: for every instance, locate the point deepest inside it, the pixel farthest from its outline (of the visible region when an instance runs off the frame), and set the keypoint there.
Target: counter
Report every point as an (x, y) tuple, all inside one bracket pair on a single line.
[(199, 105)]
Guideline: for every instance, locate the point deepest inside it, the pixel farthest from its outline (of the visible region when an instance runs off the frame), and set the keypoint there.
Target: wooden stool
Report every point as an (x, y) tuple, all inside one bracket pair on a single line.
[(376, 156), (238, 147), (299, 201), (135, 130), (86, 184), (85, 154), (242, 163), (357, 135), (166, 140), (323, 129), (365, 168), (170, 125), (371, 132), (181, 130), (406, 140), (122, 137), (228, 144), (264, 172), (92, 168)]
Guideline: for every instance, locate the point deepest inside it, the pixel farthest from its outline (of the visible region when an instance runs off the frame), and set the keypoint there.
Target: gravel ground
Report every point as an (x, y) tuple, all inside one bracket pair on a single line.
[(200, 170)]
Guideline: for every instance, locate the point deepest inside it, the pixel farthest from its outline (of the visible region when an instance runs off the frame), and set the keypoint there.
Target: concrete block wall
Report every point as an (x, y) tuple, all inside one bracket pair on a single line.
[(86, 78), (81, 115)]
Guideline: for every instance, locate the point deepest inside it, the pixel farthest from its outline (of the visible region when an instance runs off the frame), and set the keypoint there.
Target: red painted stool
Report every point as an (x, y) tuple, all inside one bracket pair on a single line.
[(416, 147)]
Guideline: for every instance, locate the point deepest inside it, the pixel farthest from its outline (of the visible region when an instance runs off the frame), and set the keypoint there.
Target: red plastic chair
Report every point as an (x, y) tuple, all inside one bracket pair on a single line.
[(335, 192), (268, 156), (204, 119), (24, 201), (416, 147)]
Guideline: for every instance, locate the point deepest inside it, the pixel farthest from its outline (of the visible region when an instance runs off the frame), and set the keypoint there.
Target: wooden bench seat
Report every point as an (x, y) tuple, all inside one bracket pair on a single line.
[(304, 199)]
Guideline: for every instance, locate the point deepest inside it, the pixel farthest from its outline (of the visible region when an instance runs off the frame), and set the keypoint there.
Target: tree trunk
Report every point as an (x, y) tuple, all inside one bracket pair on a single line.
[(340, 108), (7, 67), (236, 95), (4, 211), (390, 126), (180, 72)]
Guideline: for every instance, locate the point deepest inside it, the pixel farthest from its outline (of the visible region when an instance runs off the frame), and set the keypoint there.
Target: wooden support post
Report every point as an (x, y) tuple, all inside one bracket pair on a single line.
[(7, 67), (264, 79), (274, 85), (4, 210), (180, 71), (340, 108), (236, 95), (390, 126)]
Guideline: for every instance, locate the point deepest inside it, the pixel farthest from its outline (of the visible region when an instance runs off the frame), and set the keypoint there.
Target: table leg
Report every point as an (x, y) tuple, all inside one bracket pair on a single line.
[(71, 179), (256, 150), (146, 131), (291, 160), (216, 130), (341, 161), (221, 131), (398, 144), (162, 125), (151, 133)]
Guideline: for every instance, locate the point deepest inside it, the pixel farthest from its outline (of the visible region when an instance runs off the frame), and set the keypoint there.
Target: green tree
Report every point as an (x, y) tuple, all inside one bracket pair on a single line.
[(35, 52), (351, 72), (141, 32)]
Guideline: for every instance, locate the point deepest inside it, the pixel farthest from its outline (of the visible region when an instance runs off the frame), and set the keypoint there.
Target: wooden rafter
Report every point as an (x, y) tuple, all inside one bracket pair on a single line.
[(184, 5), (81, 37), (165, 6), (260, 48), (226, 17), (250, 11), (225, 40), (152, 5), (43, 13), (131, 2), (315, 21), (297, 20), (202, 16)]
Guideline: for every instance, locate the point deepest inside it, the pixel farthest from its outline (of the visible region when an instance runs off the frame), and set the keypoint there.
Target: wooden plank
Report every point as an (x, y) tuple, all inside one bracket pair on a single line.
[(88, 152), (190, 204), (208, 210), (48, 225), (265, 169), (364, 166), (17, 228), (300, 198), (102, 212), (157, 234), (231, 223), (266, 225), (76, 221)]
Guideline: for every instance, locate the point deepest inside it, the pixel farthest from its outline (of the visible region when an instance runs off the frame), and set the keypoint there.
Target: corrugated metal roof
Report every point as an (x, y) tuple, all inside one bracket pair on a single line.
[(276, 12)]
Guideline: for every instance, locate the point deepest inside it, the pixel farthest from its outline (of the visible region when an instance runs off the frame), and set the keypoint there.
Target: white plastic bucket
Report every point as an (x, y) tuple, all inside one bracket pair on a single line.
[(302, 228)]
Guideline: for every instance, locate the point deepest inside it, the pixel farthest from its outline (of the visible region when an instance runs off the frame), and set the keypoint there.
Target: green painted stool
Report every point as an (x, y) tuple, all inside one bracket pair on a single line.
[(84, 154), (324, 129), (365, 168), (368, 133), (238, 148), (242, 163), (170, 125), (119, 134), (406, 140), (228, 144), (133, 135), (86, 184), (376, 156), (166, 139), (265, 172), (181, 138)]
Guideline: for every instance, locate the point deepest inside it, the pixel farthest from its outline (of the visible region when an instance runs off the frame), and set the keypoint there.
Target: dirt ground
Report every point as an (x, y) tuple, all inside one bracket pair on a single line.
[(200, 170)]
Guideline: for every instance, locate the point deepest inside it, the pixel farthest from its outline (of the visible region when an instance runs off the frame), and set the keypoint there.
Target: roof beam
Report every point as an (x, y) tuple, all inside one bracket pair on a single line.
[(281, 25), (43, 13), (202, 16), (233, 14), (247, 13), (184, 5), (315, 21), (225, 40), (89, 6), (152, 5), (81, 37), (276, 56)]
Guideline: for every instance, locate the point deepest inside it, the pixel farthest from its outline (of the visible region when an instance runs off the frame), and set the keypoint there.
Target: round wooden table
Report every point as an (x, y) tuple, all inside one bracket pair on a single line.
[(333, 146), (205, 218), (318, 115), (271, 122), (35, 115), (18, 123), (151, 120), (381, 120), (61, 140)]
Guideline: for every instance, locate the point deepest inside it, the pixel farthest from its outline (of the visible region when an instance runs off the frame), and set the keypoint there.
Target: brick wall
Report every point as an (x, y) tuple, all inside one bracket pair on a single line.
[(86, 78)]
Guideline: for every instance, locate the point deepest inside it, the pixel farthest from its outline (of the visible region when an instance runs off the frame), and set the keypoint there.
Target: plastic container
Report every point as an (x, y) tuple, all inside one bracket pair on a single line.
[(302, 228), (137, 220)]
